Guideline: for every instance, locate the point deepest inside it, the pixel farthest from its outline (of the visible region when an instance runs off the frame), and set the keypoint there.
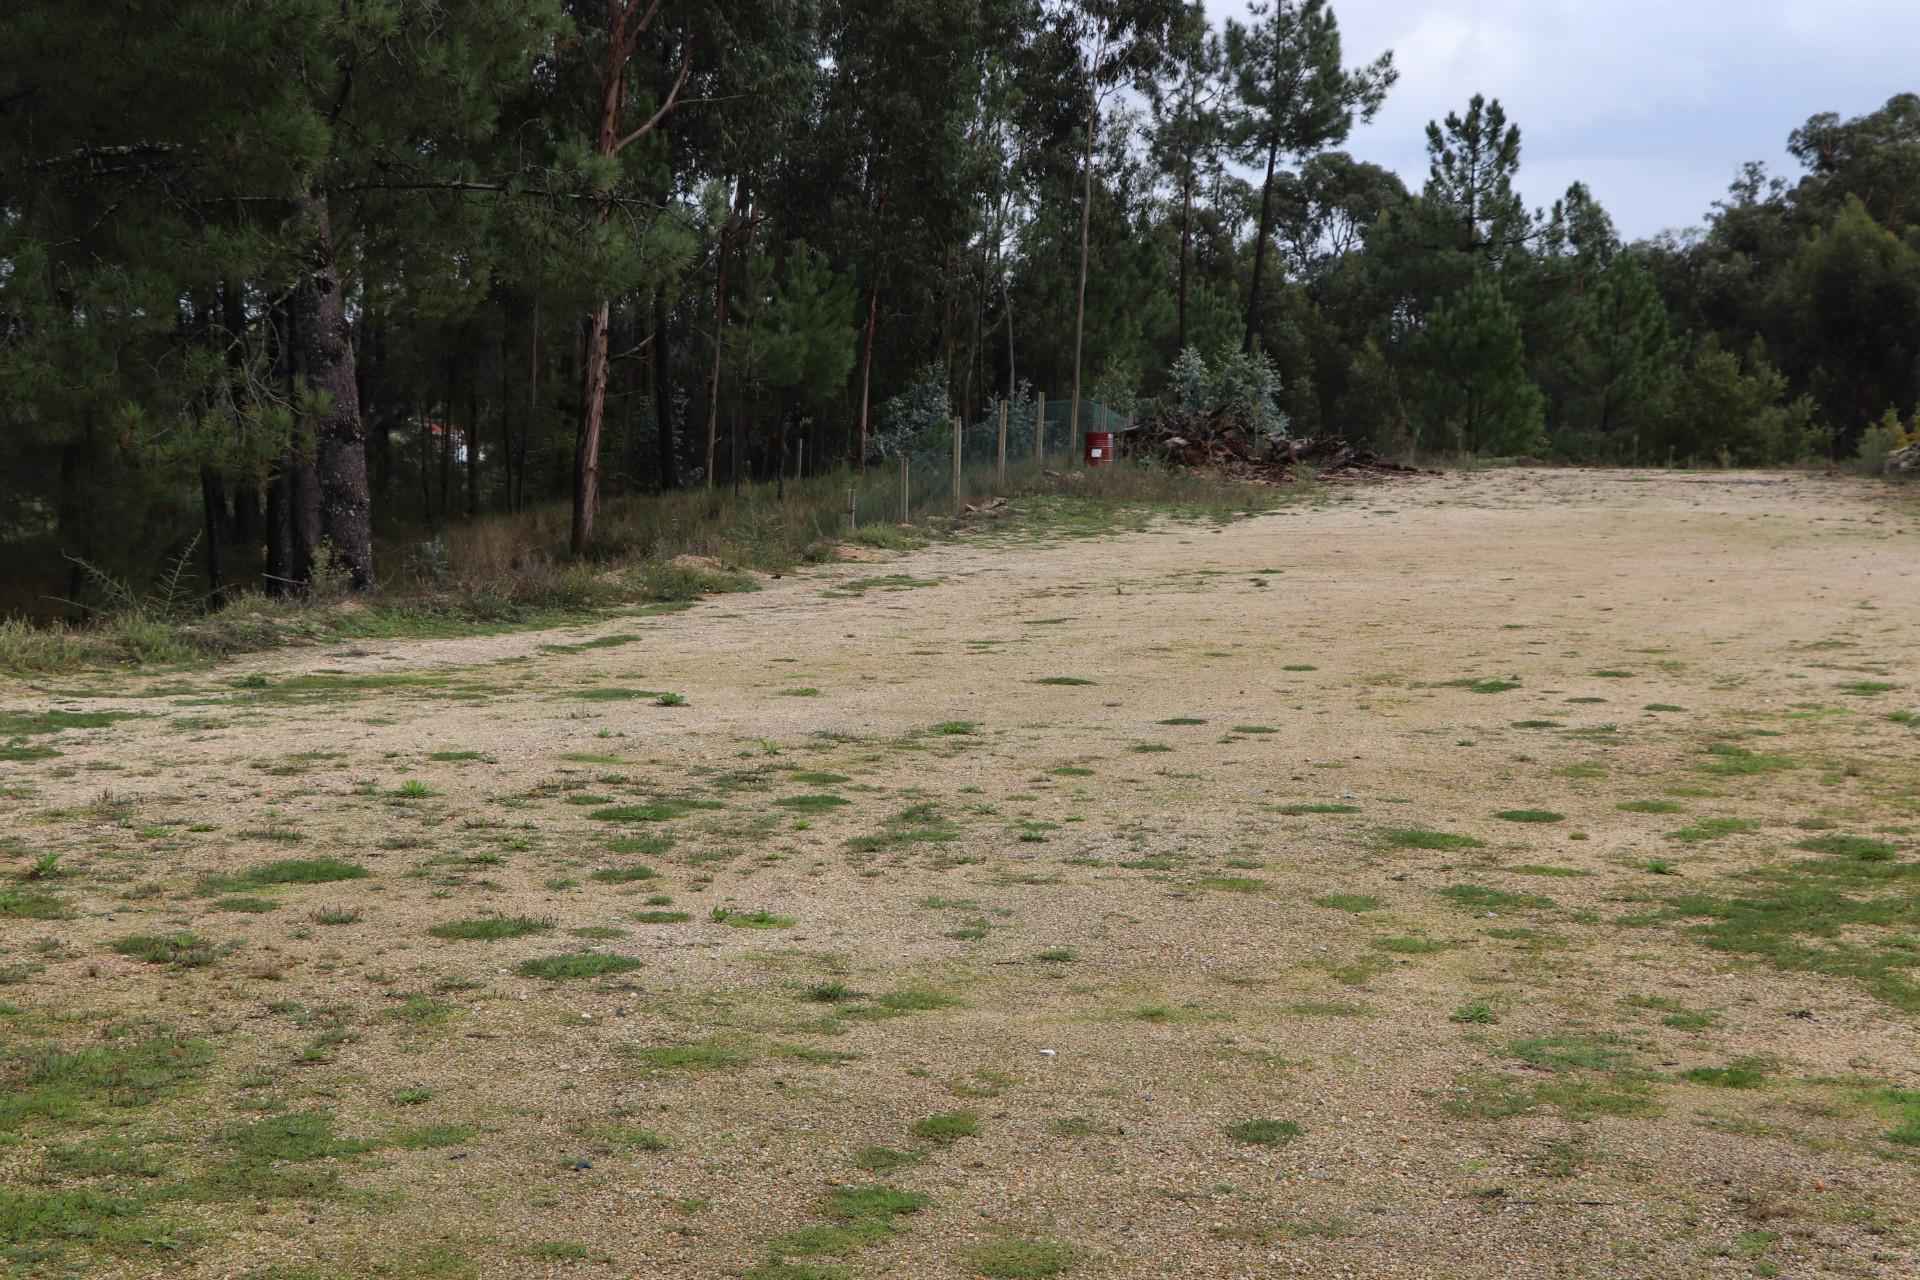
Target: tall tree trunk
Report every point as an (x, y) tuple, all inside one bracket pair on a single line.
[(1006, 305), (586, 451), (1080, 300), (214, 504), (325, 344), (663, 390), (1186, 249), (627, 22), (73, 526), (446, 441), (1260, 252), (873, 324), (780, 451), (471, 439), (506, 415), (293, 500), (721, 254), (533, 403)]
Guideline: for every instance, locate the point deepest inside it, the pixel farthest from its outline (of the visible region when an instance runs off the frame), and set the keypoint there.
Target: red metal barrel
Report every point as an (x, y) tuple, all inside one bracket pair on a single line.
[(1099, 448)]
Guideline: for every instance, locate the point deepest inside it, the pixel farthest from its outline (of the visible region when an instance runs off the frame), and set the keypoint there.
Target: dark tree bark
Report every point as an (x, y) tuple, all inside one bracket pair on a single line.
[(1260, 253), (873, 324), (325, 345), (663, 390), (627, 22), (471, 439), (214, 504)]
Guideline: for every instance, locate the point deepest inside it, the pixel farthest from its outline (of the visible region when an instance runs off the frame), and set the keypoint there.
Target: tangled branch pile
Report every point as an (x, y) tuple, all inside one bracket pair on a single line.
[(1222, 440)]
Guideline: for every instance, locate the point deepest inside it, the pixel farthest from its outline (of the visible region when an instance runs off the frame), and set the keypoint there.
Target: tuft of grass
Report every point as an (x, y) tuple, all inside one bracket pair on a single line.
[(1728, 760), (1530, 815), (244, 904), (822, 803), (1065, 680), (947, 1128), (181, 950), (1417, 838), (1481, 686), (750, 919), (1354, 902), (1300, 810), (661, 917), (1858, 848), (1022, 1258), (582, 964), (491, 928), (325, 870), (1867, 688), (880, 1159), (1265, 1133), (1480, 898), (955, 728), (1713, 829), (30, 904), (1410, 946), (629, 874), (1650, 806), (1735, 1077), (1236, 884), (715, 1053)]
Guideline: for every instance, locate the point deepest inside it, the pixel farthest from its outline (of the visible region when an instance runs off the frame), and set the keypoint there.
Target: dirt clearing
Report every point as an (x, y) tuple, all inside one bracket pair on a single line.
[(1510, 874)]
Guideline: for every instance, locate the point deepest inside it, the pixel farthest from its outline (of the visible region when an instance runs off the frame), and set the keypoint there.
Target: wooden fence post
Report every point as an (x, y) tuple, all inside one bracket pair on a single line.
[(1003, 446), (906, 494), (1040, 429), (958, 499)]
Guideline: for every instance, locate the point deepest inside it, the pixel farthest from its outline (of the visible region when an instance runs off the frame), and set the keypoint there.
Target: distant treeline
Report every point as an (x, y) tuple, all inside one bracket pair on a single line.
[(282, 274)]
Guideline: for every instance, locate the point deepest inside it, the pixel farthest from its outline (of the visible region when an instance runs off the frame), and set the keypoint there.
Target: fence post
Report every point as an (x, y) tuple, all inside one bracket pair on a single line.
[(957, 498), (1003, 445), (853, 509), (1040, 429), (906, 495)]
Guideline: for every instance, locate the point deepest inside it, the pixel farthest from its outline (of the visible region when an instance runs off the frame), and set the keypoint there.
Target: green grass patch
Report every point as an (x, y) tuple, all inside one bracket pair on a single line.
[(181, 950), (1418, 838), (1478, 897), (1265, 1133), (491, 928), (1530, 815), (583, 964), (947, 1128)]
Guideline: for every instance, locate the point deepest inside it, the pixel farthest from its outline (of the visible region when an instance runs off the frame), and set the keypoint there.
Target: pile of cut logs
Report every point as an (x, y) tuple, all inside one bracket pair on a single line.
[(1223, 441)]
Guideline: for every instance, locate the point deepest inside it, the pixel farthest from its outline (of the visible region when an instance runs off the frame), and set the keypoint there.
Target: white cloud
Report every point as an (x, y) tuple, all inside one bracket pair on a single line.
[(1655, 103)]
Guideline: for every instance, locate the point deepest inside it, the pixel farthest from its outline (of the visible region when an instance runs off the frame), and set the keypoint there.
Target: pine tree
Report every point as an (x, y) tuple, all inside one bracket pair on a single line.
[(1474, 390)]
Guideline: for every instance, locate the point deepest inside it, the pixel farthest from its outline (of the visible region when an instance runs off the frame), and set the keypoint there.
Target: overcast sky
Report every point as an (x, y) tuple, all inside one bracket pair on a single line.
[(1653, 103)]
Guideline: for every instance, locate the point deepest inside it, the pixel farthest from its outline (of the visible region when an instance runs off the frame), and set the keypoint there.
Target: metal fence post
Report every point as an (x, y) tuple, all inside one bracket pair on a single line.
[(1002, 481), (958, 499), (906, 494), (1040, 429)]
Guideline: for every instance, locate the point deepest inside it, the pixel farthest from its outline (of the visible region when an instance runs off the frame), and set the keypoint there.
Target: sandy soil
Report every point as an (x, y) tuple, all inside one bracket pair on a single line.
[(1110, 956)]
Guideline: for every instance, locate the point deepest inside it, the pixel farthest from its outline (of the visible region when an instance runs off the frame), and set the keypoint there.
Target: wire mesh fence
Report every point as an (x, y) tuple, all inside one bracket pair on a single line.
[(999, 454)]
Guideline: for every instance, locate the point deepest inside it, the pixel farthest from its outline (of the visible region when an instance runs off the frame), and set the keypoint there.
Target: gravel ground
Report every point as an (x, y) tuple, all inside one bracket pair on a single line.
[(1476, 1036)]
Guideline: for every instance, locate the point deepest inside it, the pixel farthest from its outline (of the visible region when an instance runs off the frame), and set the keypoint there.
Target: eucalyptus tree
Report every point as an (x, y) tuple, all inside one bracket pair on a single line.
[(1113, 43), (1187, 134), (1292, 98)]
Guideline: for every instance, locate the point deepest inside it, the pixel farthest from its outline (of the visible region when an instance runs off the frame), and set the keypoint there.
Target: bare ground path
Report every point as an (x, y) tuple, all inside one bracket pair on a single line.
[(1510, 874)]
